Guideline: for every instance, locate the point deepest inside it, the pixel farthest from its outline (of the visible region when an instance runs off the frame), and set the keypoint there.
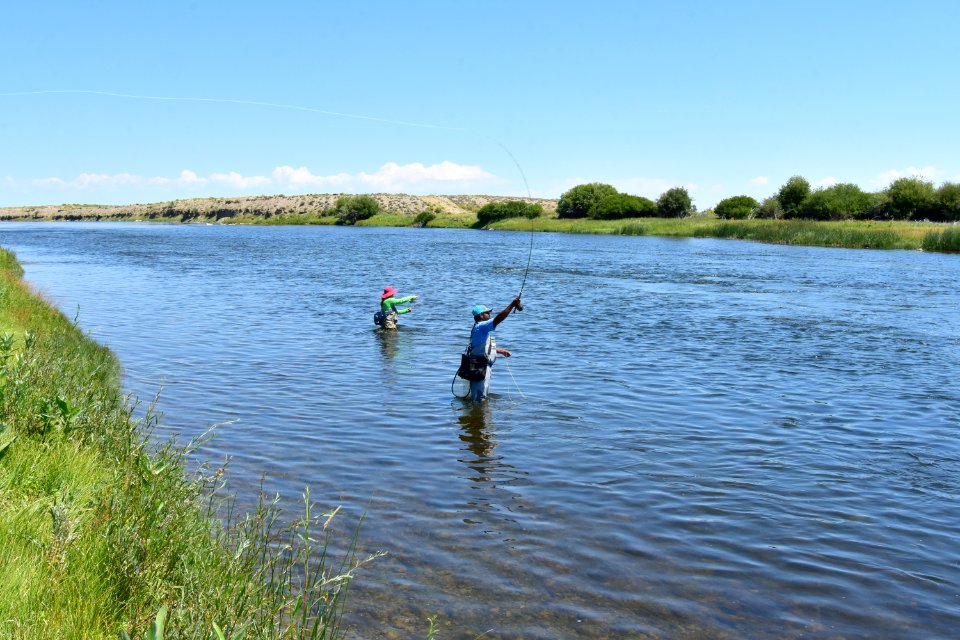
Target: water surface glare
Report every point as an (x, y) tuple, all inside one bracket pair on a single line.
[(694, 438)]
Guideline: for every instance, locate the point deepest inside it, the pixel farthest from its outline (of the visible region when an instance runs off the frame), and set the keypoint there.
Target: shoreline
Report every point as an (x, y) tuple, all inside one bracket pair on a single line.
[(459, 212)]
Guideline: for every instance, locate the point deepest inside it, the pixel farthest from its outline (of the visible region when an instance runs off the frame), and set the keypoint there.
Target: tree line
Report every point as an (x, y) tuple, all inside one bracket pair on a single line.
[(603, 202), (904, 199)]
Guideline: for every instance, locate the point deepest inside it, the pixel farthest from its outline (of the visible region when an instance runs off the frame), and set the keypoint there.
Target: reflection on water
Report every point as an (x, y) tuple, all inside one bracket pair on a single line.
[(718, 439)]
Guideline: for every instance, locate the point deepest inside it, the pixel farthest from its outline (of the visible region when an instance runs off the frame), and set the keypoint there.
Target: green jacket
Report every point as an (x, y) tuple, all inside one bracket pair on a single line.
[(390, 304)]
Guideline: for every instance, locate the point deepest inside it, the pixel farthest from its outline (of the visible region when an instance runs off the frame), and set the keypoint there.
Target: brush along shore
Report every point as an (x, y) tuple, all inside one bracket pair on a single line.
[(399, 210), (103, 534)]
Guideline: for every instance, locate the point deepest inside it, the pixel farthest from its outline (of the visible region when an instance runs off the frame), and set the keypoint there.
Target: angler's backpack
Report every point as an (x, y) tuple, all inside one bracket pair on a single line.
[(379, 318), (473, 368)]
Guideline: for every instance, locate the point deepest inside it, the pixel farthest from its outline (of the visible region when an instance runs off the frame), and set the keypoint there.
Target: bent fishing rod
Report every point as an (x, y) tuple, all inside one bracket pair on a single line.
[(526, 184)]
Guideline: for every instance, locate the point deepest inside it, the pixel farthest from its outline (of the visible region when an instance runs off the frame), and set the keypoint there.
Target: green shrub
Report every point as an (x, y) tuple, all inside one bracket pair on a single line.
[(494, 211), (351, 209), (879, 208), (621, 205), (424, 218), (792, 195), (675, 203), (948, 201), (736, 208), (769, 209), (840, 202), (577, 202), (911, 199)]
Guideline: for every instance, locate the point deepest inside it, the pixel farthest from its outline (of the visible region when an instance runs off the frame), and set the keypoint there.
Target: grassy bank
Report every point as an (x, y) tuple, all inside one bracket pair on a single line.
[(850, 234), (101, 529), (460, 212)]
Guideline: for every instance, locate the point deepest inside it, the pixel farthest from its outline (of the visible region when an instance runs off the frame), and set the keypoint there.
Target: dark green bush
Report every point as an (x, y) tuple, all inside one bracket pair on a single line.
[(736, 208), (912, 199), (879, 208), (948, 201), (840, 202), (621, 205), (577, 202), (424, 218), (352, 209), (792, 196), (675, 203), (495, 211)]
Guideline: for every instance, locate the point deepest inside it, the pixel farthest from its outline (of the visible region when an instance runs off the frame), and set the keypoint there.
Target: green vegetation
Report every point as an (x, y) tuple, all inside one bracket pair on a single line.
[(851, 234), (947, 240), (736, 208), (839, 202), (102, 531), (621, 205), (769, 209), (675, 203), (424, 218), (911, 199), (792, 194), (948, 201), (351, 209), (599, 208), (495, 211), (577, 202), (805, 232)]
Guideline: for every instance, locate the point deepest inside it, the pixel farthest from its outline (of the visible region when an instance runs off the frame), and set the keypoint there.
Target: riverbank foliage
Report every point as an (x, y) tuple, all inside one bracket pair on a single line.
[(850, 234), (841, 215), (104, 533)]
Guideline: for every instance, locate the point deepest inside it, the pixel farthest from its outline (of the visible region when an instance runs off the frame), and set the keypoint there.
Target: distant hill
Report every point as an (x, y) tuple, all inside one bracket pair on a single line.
[(258, 206)]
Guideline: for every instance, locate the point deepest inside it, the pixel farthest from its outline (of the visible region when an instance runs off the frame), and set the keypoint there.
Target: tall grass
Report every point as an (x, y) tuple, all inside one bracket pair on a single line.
[(101, 528), (946, 240), (804, 232), (865, 234)]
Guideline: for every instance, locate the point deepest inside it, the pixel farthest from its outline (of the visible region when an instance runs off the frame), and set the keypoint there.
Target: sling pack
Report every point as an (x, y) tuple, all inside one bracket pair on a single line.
[(379, 318), (472, 368)]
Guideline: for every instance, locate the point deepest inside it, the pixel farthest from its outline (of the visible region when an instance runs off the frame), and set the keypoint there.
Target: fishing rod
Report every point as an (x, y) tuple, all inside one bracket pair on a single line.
[(523, 175)]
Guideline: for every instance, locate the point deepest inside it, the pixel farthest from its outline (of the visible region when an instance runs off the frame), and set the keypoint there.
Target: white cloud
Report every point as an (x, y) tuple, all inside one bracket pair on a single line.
[(234, 179), (829, 181), (302, 178), (927, 173), (85, 180), (188, 178), (389, 177), (759, 180), (49, 182), (444, 176)]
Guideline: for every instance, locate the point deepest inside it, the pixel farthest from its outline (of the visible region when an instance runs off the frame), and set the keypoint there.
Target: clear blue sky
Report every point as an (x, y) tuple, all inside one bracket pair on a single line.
[(122, 102)]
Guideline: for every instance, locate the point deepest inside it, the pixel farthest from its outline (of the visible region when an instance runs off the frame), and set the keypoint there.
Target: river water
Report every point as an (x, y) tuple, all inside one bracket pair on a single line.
[(693, 439)]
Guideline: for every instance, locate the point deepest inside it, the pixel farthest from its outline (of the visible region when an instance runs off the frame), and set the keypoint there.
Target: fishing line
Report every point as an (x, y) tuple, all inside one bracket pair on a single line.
[(514, 380), (530, 196)]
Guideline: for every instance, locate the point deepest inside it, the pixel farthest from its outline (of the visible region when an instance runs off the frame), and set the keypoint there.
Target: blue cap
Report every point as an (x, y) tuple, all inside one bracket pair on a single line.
[(477, 310)]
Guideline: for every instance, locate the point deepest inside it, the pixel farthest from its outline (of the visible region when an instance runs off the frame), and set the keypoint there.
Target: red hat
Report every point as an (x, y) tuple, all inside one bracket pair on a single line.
[(388, 292)]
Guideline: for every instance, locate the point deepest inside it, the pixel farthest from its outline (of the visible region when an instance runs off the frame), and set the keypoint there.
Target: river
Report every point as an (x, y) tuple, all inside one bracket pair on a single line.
[(694, 438)]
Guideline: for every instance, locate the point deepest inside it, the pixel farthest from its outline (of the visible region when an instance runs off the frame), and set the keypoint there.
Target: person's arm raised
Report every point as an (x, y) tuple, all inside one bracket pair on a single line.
[(503, 314)]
